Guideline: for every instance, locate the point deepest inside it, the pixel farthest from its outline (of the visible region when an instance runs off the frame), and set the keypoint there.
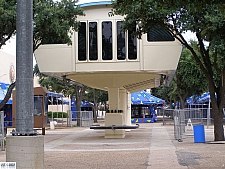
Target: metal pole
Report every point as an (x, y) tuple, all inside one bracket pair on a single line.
[(208, 115), (24, 69), (2, 130), (62, 110), (52, 107)]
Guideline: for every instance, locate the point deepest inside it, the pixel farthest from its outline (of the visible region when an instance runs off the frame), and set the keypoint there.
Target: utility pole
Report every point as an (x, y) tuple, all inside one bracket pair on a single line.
[(25, 147), (24, 69)]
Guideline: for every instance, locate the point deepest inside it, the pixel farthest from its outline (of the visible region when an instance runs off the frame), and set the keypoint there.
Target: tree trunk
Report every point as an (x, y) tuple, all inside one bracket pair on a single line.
[(218, 119), (95, 114), (80, 90), (182, 99), (95, 107), (78, 105), (218, 125), (182, 103), (217, 102)]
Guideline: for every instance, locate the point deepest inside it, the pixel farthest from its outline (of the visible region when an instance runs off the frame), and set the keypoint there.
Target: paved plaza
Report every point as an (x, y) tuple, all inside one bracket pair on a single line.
[(151, 146)]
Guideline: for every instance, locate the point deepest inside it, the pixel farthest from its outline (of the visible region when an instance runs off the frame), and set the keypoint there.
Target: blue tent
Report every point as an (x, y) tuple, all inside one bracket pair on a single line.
[(55, 94), (142, 97), (3, 90), (204, 98)]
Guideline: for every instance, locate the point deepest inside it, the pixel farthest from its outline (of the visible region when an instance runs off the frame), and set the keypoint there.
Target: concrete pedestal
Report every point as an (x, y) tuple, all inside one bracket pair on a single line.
[(114, 119), (26, 151)]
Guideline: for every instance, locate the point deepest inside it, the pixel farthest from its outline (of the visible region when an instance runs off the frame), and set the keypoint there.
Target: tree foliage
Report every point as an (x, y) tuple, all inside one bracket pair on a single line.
[(7, 20), (54, 22), (69, 88), (64, 86), (206, 19), (188, 79), (96, 96)]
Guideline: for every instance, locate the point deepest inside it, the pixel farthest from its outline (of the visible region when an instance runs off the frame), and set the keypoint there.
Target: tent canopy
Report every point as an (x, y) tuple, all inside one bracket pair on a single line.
[(204, 98), (142, 97), (55, 94), (3, 90)]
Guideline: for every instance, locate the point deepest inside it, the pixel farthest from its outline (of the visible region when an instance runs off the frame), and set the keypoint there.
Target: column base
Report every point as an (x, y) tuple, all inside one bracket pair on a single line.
[(120, 133), (26, 151), (116, 119)]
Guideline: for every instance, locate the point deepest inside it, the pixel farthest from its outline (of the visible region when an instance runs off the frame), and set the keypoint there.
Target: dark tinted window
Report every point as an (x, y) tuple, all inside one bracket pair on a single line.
[(82, 47), (93, 47), (132, 45), (159, 34), (38, 100), (107, 40), (121, 48)]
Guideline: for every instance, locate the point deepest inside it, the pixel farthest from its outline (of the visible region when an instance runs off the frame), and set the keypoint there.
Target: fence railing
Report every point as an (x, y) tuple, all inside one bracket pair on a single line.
[(85, 118), (196, 115), (182, 118)]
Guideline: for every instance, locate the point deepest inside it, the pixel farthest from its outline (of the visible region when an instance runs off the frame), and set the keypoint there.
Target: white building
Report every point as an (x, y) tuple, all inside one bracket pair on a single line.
[(7, 68)]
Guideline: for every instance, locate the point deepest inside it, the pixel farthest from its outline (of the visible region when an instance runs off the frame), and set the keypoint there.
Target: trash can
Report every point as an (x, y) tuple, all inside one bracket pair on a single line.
[(199, 133), (52, 124)]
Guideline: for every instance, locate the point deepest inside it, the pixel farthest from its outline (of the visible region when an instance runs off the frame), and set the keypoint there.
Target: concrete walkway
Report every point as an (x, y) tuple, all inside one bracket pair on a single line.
[(162, 150), (152, 146)]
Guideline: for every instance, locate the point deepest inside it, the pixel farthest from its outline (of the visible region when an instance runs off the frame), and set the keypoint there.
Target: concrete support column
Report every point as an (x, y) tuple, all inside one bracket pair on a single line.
[(113, 94), (124, 106), (114, 118), (128, 112), (123, 100), (26, 151)]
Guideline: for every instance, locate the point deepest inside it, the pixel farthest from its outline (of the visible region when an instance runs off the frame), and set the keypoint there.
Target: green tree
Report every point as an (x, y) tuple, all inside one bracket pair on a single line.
[(54, 22), (64, 86), (206, 19), (7, 30), (96, 96), (188, 79), (7, 20), (163, 92)]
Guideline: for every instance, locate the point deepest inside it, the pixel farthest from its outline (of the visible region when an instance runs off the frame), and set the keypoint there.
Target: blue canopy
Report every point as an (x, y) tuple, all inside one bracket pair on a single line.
[(143, 97), (86, 104), (83, 103), (55, 94), (3, 90), (204, 98)]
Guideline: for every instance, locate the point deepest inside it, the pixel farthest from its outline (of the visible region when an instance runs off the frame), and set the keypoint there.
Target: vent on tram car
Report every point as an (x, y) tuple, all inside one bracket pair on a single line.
[(159, 34)]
